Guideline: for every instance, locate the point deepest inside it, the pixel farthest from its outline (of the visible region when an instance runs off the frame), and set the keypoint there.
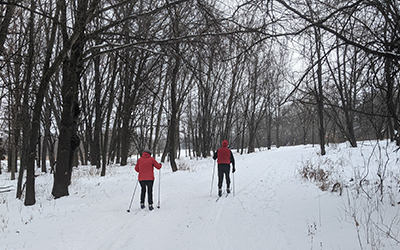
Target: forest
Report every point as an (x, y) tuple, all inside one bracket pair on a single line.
[(95, 82)]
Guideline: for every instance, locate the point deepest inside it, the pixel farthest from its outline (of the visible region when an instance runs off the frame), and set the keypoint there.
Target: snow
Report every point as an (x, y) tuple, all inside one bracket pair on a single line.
[(272, 206)]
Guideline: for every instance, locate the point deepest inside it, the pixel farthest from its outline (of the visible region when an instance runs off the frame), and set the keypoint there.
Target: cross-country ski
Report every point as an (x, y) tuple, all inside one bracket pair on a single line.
[(223, 195)]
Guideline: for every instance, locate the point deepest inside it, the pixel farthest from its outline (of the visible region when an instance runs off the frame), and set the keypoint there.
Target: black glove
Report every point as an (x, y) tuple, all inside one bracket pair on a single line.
[(233, 170), (215, 156)]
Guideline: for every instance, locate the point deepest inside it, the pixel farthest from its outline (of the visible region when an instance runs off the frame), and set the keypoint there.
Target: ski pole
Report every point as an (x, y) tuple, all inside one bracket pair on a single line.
[(159, 187), (212, 179), (233, 178), (133, 195)]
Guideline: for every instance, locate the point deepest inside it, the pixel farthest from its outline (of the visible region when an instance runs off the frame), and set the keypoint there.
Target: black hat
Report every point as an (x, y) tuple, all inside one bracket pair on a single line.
[(147, 151)]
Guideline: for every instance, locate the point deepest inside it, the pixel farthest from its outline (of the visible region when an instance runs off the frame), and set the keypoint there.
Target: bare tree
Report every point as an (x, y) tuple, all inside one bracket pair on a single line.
[(377, 33), (29, 154), (6, 20), (72, 69)]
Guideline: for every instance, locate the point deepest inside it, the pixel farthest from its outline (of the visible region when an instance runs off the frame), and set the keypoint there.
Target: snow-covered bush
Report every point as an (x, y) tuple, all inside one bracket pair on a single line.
[(324, 172)]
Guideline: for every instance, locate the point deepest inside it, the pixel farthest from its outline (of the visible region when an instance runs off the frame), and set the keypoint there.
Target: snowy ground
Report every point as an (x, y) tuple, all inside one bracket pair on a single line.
[(273, 207)]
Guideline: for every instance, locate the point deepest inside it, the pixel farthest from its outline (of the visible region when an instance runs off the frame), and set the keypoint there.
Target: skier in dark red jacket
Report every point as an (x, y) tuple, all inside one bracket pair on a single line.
[(144, 167), (225, 158)]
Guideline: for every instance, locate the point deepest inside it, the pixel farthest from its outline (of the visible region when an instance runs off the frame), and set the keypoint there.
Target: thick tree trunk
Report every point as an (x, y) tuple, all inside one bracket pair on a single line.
[(173, 126), (31, 151), (350, 129), (72, 69), (68, 128)]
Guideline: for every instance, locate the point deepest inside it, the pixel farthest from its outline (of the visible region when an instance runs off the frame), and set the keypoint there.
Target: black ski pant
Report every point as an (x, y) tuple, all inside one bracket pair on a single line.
[(149, 186), (223, 169)]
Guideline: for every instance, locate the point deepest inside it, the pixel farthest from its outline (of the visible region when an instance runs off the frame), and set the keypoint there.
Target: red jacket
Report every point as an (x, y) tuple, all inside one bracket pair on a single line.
[(144, 167), (224, 155)]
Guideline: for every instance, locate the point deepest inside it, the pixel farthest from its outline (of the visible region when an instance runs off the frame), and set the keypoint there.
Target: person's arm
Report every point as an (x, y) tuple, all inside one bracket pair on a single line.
[(156, 164), (137, 166), (215, 155), (233, 163)]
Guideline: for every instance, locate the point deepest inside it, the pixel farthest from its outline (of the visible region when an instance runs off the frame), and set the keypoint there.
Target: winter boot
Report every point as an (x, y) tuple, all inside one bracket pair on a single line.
[(228, 190), (142, 205), (220, 192), (151, 207)]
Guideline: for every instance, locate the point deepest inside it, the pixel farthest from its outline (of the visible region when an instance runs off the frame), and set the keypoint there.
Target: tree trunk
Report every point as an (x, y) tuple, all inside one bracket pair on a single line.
[(68, 128), (46, 137), (72, 69), (98, 120), (109, 111), (32, 152), (393, 119), (159, 117), (173, 131), (126, 114), (129, 100), (269, 129), (252, 123), (10, 6), (319, 93), (231, 100), (12, 140)]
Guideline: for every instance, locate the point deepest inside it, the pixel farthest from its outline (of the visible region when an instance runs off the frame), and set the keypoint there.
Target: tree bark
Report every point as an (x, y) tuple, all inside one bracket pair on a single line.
[(173, 131), (109, 111), (98, 120), (319, 92), (32, 152), (6, 23), (72, 69)]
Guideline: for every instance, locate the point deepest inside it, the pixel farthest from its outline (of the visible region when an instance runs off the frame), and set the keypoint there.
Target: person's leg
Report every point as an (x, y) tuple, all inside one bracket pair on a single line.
[(220, 176), (220, 179), (149, 185), (142, 193), (150, 191), (228, 179)]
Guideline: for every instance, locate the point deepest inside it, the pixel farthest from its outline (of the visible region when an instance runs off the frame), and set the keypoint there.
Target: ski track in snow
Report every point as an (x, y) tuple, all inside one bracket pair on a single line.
[(191, 219), (271, 208)]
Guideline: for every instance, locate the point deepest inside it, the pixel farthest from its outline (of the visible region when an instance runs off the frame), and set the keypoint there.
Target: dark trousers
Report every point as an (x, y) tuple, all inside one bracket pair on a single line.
[(149, 186), (223, 169)]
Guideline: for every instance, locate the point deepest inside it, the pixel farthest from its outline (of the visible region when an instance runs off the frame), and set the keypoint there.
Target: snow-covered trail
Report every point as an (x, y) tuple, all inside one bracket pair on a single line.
[(271, 209), (190, 219)]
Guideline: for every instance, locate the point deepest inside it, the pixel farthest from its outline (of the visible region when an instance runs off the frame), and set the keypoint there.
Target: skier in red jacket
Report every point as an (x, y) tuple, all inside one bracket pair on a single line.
[(144, 167), (225, 158)]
